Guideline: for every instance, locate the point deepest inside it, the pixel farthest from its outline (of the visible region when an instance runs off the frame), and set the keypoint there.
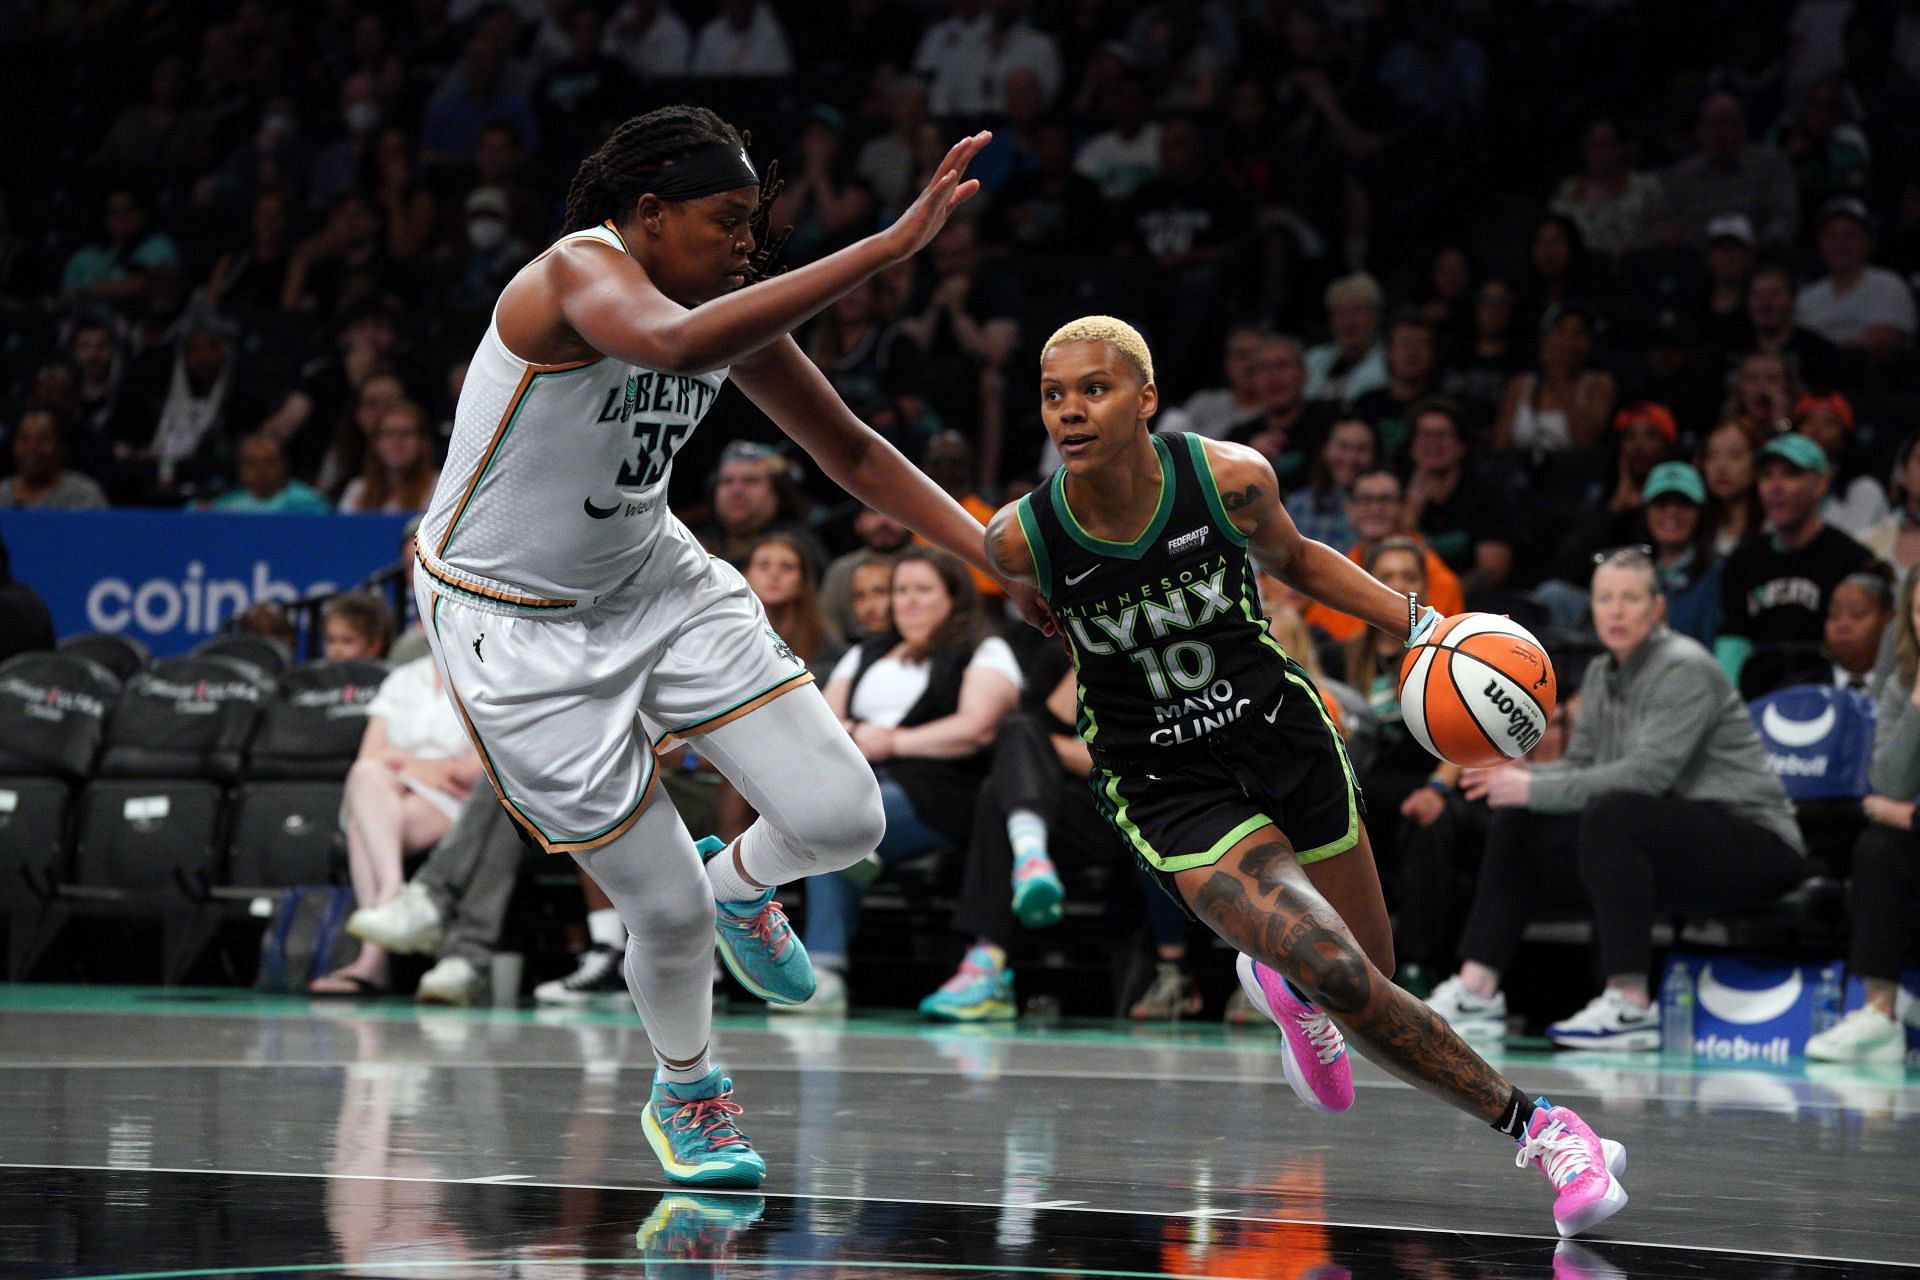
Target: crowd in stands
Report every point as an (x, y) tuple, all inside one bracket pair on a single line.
[(1498, 290)]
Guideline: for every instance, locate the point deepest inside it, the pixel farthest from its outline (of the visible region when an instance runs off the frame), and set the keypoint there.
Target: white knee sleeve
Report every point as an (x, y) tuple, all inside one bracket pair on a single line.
[(818, 802)]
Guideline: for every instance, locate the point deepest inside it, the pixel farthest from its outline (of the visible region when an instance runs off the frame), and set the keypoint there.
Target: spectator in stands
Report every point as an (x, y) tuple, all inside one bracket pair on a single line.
[(1215, 411), (886, 162), (880, 537), (1858, 612), (116, 272), (1377, 511), (742, 40), (923, 703), (582, 85), (872, 363), (752, 496), (1354, 362), (1288, 424), (1762, 393), (1856, 304), (1773, 597), (407, 207), (1896, 539), (1319, 508), (1559, 270), (317, 419), (353, 432), (265, 485), (1564, 403), (965, 318), (1729, 260), (967, 59), (1194, 228), (1476, 377), (187, 450), (949, 462), (474, 94), (398, 474), (823, 200), (468, 276), (99, 367), (339, 164), (40, 478), (1644, 437), (1855, 502), (1828, 151), (1881, 897), (25, 623), (344, 264), (251, 280), (1455, 508), (163, 137), (870, 596), (780, 570), (1665, 800), (1730, 174), (1616, 207), (354, 625), (1120, 159), (272, 157), (1772, 301), (1675, 515), (1412, 368), (650, 39), (414, 771), (1726, 462), (1448, 304)]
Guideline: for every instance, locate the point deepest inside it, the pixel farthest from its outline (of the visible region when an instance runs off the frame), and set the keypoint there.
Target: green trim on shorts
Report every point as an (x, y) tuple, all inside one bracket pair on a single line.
[(1340, 844)]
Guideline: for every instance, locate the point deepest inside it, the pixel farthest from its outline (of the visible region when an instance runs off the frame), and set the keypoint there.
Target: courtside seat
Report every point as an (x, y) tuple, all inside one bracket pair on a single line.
[(268, 655), (123, 655), (310, 729), (284, 834), (186, 718)]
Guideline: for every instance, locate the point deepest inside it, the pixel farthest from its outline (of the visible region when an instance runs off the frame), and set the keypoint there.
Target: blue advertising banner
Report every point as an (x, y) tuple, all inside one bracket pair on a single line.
[(1755, 1010), (173, 578)]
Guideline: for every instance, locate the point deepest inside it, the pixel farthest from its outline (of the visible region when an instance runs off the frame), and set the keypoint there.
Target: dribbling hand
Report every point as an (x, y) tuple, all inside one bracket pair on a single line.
[(947, 192), (1033, 607)]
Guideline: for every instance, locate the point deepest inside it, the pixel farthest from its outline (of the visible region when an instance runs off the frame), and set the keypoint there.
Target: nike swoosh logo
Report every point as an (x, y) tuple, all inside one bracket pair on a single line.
[(1276, 707), (599, 513), (1074, 579)]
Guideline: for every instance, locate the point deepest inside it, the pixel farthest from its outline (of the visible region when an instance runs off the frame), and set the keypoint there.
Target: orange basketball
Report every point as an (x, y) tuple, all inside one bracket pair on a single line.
[(1478, 690)]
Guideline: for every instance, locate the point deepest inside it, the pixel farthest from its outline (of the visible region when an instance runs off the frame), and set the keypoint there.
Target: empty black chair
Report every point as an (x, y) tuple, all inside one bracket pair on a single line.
[(284, 833), (312, 725), (53, 713), (125, 656), (268, 655), (186, 718)]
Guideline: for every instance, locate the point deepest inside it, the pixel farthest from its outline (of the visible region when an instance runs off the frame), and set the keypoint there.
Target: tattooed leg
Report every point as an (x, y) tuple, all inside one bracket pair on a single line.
[(1351, 885), (1260, 899)]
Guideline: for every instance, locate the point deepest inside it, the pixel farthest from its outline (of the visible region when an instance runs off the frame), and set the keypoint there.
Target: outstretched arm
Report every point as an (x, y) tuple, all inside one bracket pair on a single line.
[(1251, 495), (607, 300), (802, 403)]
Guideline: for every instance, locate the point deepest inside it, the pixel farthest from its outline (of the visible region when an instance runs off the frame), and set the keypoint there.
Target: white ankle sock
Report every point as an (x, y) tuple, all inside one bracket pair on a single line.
[(1027, 832), (724, 874), (604, 927), (684, 1075)]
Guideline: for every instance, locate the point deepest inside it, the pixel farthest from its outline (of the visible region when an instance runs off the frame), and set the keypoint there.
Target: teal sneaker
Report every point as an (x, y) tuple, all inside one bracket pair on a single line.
[(691, 1129), (981, 991), (1039, 900), (685, 1230), (758, 946)]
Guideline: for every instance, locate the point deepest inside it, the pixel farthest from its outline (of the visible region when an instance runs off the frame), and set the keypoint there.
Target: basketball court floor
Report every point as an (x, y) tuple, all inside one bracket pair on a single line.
[(178, 1133)]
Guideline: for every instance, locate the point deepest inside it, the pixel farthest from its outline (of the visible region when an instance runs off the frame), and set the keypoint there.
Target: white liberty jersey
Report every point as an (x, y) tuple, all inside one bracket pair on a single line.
[(555, 487)]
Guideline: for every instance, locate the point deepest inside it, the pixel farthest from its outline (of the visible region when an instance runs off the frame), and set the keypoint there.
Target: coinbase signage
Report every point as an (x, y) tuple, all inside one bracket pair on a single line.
[(172, 579)]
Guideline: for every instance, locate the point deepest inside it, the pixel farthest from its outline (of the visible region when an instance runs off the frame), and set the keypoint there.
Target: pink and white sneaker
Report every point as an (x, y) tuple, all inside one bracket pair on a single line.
[(1316, 1061), (1584, 1168)]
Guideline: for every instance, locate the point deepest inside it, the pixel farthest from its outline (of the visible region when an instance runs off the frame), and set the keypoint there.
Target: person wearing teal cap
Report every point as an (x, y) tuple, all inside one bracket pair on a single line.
[(1775, 587), (1674, 512)]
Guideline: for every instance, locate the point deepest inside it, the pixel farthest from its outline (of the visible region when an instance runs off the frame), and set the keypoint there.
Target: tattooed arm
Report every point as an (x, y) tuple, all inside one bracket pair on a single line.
[(1259, 899), (1251, 496)]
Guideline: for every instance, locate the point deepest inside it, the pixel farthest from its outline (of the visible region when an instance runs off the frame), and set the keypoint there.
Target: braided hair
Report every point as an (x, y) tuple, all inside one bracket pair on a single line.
[(608, 179)]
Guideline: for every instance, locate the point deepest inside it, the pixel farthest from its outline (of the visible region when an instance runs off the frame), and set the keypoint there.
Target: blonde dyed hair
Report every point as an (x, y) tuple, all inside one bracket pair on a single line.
[(1123, 338)]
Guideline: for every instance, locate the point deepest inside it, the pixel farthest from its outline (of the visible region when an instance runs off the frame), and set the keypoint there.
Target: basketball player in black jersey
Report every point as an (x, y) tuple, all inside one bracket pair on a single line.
[(1213, 754)]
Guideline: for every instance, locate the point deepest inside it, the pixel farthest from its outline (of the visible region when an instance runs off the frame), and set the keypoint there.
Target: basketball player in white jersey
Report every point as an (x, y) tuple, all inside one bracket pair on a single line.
[(578, 624)]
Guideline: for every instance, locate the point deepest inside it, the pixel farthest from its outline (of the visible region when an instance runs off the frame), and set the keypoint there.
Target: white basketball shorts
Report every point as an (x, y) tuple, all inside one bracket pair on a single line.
[(567, 712)]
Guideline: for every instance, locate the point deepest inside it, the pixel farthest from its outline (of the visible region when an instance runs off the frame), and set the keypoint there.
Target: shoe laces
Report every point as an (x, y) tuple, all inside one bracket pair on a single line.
[(767, 926), (1326, 1039), (591, 971), (1562, 1154), (1032, 867), (713, 1117), (965, 976)]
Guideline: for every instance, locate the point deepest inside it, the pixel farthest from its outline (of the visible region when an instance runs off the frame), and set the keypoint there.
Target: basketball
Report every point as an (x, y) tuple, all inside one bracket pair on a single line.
[(1478, 691)]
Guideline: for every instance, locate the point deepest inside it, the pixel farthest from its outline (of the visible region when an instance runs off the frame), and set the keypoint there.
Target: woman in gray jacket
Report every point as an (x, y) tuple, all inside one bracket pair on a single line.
[(1886, 862), (1664, 801)]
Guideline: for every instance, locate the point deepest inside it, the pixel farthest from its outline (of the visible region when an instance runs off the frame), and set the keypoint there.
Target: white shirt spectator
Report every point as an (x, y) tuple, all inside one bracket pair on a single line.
[(420, 716), (1859, 509), (758, 49), (891, 687), (966, 64), (660, 49), (1120, 166), (1878, 297), (1369, 373), (1211, 413)]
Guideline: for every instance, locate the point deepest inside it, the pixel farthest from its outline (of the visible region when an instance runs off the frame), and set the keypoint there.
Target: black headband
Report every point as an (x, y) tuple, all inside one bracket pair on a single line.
[(711, 169)]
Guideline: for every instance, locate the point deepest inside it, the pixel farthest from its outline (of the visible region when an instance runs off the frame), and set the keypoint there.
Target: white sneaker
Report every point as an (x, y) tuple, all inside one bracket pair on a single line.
[(828, 1000), (596, 975), (453, 981), (408, 925), (1473, 1017), (1865, 1035), (1610, 1021)]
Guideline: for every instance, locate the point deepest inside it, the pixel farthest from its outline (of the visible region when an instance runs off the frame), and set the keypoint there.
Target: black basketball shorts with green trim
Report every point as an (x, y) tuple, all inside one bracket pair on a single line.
[(1282, 766)]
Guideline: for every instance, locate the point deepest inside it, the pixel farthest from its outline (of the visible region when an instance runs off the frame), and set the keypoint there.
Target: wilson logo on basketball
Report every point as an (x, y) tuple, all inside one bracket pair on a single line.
[(1521, 726)]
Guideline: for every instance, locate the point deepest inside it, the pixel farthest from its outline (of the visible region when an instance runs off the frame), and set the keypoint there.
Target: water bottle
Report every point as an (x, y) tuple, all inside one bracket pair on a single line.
[(1676, 1012), (1828, 995)]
